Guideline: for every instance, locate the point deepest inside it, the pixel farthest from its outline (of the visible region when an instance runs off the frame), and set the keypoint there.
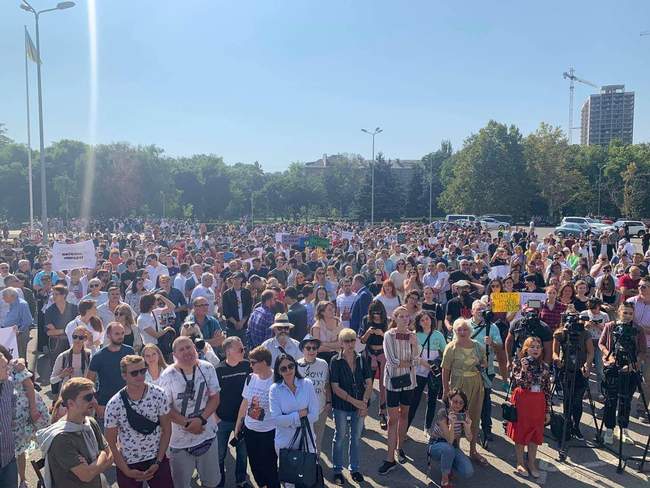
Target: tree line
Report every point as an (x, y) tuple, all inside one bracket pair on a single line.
[(496, 170)]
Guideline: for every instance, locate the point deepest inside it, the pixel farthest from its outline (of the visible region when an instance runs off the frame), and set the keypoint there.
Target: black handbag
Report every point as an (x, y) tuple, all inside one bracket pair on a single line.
[(299, 466), (401, 381), (509, 411)]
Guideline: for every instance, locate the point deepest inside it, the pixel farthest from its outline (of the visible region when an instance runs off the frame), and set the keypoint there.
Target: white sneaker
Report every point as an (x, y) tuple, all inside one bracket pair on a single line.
[(609, 436), (626, 438)]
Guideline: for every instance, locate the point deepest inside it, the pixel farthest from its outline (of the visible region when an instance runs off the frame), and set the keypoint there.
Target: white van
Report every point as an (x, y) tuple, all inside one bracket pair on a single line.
[(458, 218)]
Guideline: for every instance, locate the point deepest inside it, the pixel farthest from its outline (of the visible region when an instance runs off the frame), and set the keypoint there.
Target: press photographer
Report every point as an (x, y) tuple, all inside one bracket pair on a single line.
[(573, 354), (529, 325), (623, 346)]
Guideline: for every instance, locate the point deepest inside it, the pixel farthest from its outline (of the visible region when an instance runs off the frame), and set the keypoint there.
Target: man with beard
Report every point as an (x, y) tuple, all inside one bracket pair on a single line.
[(105, 364), (281, 343)]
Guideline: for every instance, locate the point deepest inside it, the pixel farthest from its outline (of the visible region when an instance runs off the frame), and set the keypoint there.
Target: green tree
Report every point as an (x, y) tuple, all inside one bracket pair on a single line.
[(489, 174)]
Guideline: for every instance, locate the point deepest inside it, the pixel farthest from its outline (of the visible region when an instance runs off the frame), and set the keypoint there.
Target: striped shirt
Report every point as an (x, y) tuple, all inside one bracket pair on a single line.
[(397, 350), (7, 404)]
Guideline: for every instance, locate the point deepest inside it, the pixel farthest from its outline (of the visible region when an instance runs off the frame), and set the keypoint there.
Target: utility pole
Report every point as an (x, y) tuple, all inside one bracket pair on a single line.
[(372, 173)]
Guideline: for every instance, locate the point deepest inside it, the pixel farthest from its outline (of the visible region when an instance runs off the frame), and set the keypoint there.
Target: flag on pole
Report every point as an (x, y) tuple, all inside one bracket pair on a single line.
[(30, 49)]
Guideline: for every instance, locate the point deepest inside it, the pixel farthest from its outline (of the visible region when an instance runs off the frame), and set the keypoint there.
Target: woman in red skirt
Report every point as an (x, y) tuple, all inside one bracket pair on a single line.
[(531, 380)]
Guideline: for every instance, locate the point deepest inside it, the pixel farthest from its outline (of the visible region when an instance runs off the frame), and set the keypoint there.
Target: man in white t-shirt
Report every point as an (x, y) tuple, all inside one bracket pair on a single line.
[(155, 268), (344, 302), (192, 388), (205, 290)]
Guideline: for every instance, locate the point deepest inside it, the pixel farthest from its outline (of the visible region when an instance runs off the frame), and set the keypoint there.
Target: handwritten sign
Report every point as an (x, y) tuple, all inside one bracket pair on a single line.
[(499, 272), (505, 302), (73, 256), (8, 340)]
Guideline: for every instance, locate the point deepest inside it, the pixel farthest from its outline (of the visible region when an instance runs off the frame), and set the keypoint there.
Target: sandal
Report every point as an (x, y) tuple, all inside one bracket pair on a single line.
[(522, 471)]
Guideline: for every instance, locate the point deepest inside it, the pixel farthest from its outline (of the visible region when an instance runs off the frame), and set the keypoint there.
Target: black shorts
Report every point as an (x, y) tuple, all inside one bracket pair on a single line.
[(396, 398)]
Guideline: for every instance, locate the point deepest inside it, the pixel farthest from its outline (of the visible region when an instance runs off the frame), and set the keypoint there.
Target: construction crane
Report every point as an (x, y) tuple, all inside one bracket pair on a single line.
[(570, 75)]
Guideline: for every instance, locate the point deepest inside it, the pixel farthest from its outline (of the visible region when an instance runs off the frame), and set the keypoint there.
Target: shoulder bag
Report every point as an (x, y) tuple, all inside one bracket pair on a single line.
[(300, 466)]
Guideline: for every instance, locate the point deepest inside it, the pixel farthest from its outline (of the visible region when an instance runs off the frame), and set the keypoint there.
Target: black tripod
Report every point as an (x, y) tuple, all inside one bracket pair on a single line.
[(628, 379), (569, 375)]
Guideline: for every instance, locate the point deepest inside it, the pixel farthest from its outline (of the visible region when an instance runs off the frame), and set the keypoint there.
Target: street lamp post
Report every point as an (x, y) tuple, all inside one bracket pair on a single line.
[(27, 7), (372, 173)]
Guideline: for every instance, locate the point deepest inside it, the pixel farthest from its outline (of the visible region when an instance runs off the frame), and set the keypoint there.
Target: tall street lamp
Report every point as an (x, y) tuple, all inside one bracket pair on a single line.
[(600, 172), (372, 173), (27, 7)]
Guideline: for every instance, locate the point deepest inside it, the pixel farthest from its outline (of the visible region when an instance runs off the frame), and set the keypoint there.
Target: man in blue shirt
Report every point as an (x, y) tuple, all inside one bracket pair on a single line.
[(211, 328), (260, 321), (19, 317), (361, 302)]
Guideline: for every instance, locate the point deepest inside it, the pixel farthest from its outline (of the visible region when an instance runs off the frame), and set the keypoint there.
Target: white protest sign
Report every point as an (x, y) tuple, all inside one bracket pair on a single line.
[(346, 234), (73, 256), (525, 296), (499, 272), (278, 236), (8, 340)]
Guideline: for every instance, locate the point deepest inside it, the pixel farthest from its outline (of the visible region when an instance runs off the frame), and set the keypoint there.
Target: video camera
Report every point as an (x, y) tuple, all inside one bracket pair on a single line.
[(488, 315), (624, 335), (573, 323)]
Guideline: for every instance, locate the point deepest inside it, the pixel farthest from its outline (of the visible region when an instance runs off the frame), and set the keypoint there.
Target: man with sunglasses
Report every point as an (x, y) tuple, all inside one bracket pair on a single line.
[(192, 388), (106, 311), (281, 342), (232, 374), (138, 415), (76, 452)]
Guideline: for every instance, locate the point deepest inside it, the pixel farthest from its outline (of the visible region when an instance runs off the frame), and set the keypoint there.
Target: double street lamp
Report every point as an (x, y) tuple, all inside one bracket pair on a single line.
[(27, 7), (372, 173)]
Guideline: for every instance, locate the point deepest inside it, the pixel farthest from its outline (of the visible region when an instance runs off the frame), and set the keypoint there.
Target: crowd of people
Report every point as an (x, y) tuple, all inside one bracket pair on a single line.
[(183, 342)]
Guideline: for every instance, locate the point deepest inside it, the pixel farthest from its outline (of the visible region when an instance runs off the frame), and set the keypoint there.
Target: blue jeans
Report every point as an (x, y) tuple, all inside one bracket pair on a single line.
[(348, 424), (450, 457), (223, 435), (9, 475)]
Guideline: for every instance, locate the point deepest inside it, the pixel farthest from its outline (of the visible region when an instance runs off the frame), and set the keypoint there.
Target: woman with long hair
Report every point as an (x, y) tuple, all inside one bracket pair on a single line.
[(432, 345), (611, 298), (460, 370), (531, 396), (401, 350), (388, 297), (552, 310), (413, 282), (371, 333), (155, 362), (326, 329), (134, 292), (566, 294), (132, 337), (451, 423)]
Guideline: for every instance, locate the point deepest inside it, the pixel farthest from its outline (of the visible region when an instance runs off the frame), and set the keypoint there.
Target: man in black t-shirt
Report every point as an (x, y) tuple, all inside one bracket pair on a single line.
[(232, 374), (460, 306)]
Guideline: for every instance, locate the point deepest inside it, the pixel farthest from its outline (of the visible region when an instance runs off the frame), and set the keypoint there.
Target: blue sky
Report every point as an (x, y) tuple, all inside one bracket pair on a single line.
[(282, 81)]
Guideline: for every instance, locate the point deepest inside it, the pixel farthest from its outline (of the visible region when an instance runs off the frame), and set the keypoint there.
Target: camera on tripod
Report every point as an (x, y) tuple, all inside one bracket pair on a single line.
[(488, 315), (625, 343), (574, 324)]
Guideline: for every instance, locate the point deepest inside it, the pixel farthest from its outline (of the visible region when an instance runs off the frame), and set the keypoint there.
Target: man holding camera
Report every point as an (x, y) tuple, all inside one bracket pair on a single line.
[(527, 326), (573, 354), (485, 332)]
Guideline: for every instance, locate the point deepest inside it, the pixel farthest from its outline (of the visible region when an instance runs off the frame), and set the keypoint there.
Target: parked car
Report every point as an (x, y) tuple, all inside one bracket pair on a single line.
[(635, 227), (491, 223), (572, 229), (460, 217), (588, 222)]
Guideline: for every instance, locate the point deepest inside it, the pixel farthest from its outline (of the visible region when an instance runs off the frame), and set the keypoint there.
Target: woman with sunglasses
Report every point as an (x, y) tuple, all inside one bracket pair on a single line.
[(371, 333), (95, 292), (255, 421), (293, 401), (413, 282), (375, 286), (401, 350), (351, 379), (134, 294), (611, 298), (132, 335), (155, 362), (72, 362)]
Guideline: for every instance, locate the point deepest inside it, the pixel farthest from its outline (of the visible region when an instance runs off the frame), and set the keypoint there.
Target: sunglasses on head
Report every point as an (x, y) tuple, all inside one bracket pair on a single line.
[(288, 367), (137, 372)]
